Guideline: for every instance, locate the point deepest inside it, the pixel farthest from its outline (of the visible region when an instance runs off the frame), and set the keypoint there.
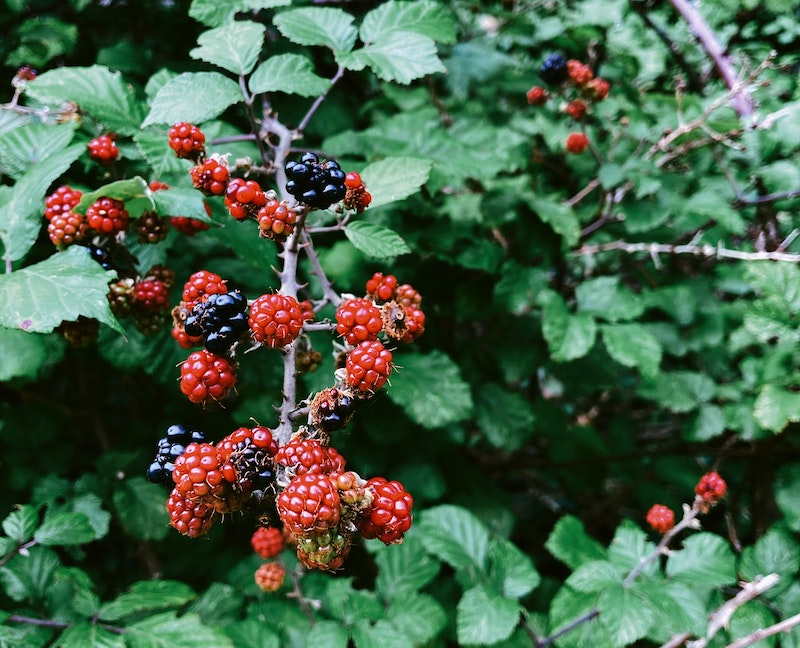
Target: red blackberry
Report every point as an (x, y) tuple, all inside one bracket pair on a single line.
[(199, 285), (576, 143), (211, 177), (381, 288), (356, 195), (157, 185), (368, 366), (67, 228), (408, 296), (198, 476), (576, 109), (596, 89), (301, 456), (310, 503), (579, 73), (358, 320), (554, 69), (220, 320), (188, 141), (61, 202), (103, 149), (120, 297), (107, 216), (207, 377), (711, 487), (275, 220), (317, 184), (246, 457), (244, 198), (163, 273), (661, 518), (270, 576), (389, 516), (189, 226), (267, 542), (189, 518), (25, 73), (275, 319), (308, 310), (184, 340), (324, 549), (536, 96), (151, 295), (151, 228)]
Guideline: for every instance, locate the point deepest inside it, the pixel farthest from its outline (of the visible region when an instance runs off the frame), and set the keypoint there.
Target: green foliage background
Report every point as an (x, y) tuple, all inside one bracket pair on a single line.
[(559, 390)]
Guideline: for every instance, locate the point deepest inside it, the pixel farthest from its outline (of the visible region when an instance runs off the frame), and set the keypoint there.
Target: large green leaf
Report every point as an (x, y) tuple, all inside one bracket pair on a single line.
[(376, 241), (99, 92), (64, 529), (147, 596), (395, 178), (234, 47), (786, 488), (420, 617), (23, 205), (484, 617), (153, 144), (560, 217), (604, 298), (776, 551), (449, 403), (678, 391), (140, 507), (569, 543), (61, 288), (380, 634), (776, 407), (29, 576), (27, 354), (193, 97), (214, 13), (705, 560), (628, 547), (594, 576), (325, 26), (325, 634), (23, 147), (289, 73), (403, 568), (632, 345), (505, 417), (89, 635), (569, 336), (181, 201), (456, 536), (430, 19), (167, 630), (20, 524), (511, 570), (625, 614), (399, 56)]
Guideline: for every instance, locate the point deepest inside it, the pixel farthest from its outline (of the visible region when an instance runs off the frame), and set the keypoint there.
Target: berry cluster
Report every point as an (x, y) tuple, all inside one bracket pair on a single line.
[(170, 447), (660, 518), (211, 176), (103, 149), (188, 141), (244, 198), (314, 183), (219, 320), (142, 298), (711, 488), (275, 219), (275, 320), (356, 195)]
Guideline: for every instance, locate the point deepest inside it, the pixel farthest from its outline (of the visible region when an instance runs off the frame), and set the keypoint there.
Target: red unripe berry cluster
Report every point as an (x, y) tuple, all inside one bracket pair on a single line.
[(578, 72), (151, 294), (302, 456), (381, 288), (61, 201), (187, 140), (107, 216), (711, 487), (244, 198), (199, 285), (660, 518), (368, 366), (275, 319), (358, 320), (267, 542), (389, 515), (270, 576), (596, 89), (536, 96), (576, 143), (309, 503), (577, 109), (207, 377), (190, 518), (103, 149), (356, 195), (275, 220), (211, 177), (67, 228)]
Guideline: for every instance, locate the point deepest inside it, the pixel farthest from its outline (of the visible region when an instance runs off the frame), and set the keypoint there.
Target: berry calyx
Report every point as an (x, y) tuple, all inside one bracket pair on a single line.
[(711, 488), (660, 518), (207, 377), (267, 542), (368, 366), (358, 320), (107, 216), (270, 576), (536, 96), (576, 143), (275, 319), (187, 140), (389, 516), (211, 177), (103, 149)]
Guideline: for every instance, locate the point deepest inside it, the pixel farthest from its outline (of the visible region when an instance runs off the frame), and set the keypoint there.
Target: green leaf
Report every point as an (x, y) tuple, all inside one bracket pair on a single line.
[(776, 551), (568, 605), (427, 18), (511, 569), (134, 192), (27, 354), (629, 546), (786, 488), (505, 417), (632, 345), (381, 634), (348, 604), (560, 217), (376, 241), (20, 524), (99, 92), (569, 543), (678, 391), (89, 635), (193, 97), (327, 634), (705, 560), (64, 529), (395, 178), (400, 56), (751, 617), (220, 604), (518, 287), (61, 288), (604, 298), (169, 631), (456, 536), (419, 617), (327, 26), (23, 206), (776, 407), (449, 403), (233, 47), (568, 336), (181, 201), (41, 39), (594, 576), (779, 281), (29, 576), (254, 633), (213, 13), (147, 596), (153, 144), (140, 507), (625, 614), (403, 568), (289, 73), (484, 617), (21, 148), (708, 424)]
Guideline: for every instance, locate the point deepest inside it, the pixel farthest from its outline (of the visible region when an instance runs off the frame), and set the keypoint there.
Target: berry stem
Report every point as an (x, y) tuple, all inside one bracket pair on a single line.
[(301, 127)]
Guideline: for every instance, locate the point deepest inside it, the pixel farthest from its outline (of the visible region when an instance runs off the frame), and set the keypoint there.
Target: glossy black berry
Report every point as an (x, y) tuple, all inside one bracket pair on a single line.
[(220, 321), (554, 69), (315, 183), (170, 447)]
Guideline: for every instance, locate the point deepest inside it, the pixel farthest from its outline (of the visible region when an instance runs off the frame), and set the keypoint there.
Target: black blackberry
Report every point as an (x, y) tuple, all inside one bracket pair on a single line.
[(101, 255), (554, 69), (317, 184), (220, 320), (170, 448), (331, 409), (255, 468)]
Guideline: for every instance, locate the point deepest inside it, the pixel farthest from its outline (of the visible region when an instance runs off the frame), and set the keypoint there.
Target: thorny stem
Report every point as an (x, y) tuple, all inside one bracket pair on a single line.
[(301, 127), (329, 294), (708, 251), (302, 601), (20, 549), (782, 626)]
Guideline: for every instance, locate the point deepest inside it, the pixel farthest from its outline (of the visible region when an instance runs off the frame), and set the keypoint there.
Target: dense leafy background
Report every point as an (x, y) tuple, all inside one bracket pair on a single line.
[(559, 390)]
